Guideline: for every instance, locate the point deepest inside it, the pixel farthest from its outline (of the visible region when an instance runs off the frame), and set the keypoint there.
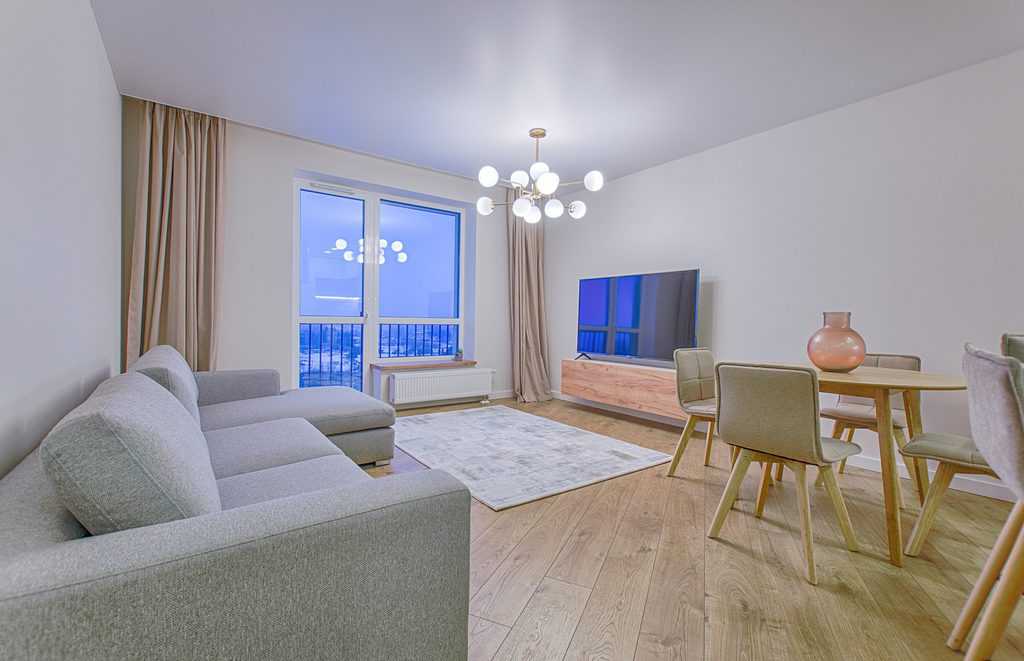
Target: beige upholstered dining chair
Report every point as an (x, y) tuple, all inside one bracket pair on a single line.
[(695, 387), (955, 454), (995, 394), (771, 414), (851, 413)]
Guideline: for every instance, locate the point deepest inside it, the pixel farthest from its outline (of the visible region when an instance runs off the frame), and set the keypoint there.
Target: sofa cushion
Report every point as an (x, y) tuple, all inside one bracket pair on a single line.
[(289, 480), (167, 367), (235, 450), (130, 456), (331, 409)]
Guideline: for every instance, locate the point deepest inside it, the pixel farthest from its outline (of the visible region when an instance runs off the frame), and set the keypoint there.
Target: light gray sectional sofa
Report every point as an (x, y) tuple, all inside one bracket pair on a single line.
[(357, 423), (133, 533)]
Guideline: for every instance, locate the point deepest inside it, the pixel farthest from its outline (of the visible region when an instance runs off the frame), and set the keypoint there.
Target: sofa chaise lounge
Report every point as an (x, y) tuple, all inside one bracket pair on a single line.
[(358, 424), (132, 533)]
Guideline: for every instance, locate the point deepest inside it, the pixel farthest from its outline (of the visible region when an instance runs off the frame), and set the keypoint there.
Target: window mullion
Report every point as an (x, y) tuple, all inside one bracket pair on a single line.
[(371, 300)]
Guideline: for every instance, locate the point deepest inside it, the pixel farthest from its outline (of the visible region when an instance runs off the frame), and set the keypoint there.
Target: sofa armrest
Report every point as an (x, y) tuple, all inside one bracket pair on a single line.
[(376, 570), (232, 385)]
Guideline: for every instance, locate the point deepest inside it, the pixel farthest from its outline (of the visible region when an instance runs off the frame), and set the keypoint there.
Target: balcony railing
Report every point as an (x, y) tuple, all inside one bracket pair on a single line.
[(403, 340), (331, 355)]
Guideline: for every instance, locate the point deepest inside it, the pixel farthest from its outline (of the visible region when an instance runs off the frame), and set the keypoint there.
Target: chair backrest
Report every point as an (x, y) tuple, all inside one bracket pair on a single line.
[(770, 409), (995, 394), (695, 374), (1013, 345), (892, 361)]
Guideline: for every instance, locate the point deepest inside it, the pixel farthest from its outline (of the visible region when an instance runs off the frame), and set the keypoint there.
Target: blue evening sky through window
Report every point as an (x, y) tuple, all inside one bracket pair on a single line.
[(330, 285), (426, 284)]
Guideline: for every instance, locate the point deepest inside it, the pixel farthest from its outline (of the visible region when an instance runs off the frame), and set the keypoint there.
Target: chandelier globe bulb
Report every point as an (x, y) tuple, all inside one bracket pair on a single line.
[(488, 176)]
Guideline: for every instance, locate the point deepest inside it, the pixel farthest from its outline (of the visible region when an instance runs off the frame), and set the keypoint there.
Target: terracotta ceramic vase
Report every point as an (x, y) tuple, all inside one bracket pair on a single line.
[(836, 347)]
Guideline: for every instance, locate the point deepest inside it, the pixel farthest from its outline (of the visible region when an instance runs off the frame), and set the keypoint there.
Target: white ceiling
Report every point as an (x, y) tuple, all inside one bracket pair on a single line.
[(620, 86)]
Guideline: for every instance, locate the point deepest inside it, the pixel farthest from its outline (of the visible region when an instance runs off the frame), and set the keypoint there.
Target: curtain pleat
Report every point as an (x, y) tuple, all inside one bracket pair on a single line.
[(530, 379), (174, 277)]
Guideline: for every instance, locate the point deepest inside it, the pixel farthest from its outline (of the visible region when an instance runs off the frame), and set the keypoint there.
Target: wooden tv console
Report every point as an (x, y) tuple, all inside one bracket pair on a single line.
[(641, 388)]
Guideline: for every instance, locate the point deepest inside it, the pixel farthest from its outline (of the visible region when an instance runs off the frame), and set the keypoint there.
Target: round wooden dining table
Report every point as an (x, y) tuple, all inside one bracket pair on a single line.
[(879, 384)]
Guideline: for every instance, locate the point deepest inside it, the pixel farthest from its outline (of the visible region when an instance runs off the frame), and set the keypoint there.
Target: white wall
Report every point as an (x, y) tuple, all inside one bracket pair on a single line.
[(256, 305), (907, 209), (60, 174)]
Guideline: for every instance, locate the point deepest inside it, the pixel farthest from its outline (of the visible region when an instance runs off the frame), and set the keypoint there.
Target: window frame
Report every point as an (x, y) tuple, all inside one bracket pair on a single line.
[(371, 319)]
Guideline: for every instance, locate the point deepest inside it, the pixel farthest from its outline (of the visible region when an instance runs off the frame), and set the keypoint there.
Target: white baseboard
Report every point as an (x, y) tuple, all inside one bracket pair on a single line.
[(969, 483)]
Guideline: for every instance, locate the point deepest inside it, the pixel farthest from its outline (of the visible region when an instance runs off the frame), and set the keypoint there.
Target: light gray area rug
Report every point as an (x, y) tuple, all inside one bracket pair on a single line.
[(507, 457)]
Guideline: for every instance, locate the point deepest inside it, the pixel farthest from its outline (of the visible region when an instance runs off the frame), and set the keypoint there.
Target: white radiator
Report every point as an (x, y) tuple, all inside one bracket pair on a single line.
[(440, 385)]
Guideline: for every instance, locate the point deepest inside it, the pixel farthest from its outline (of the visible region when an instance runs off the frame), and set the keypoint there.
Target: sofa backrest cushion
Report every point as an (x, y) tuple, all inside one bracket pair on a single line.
[(130, 456), (167, 367)]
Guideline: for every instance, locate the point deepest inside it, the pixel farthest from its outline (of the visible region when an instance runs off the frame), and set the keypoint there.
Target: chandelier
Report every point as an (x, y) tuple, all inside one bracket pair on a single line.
[(397, 247), (535, 189)]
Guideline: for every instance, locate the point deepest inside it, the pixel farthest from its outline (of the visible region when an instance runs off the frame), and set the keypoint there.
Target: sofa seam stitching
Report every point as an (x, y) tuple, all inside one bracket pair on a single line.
[(147, 473), (55, 456)]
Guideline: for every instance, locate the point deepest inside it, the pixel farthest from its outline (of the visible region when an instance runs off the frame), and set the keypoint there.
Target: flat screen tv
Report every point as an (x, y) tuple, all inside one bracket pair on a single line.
[(649, 315)]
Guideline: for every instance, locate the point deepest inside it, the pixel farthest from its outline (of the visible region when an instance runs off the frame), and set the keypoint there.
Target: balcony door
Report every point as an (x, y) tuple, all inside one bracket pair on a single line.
[(378, 280)]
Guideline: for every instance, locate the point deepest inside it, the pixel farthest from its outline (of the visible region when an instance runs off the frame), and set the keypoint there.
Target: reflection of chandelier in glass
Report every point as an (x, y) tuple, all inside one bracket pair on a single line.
[(536, 188), (397, 247)]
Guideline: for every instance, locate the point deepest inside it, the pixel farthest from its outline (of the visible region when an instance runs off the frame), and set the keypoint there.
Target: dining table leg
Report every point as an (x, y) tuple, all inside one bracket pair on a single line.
[(890, 475), (912, 409)]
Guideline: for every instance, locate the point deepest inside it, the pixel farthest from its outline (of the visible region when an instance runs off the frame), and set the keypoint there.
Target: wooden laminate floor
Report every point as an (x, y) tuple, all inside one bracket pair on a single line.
[(623, 570)]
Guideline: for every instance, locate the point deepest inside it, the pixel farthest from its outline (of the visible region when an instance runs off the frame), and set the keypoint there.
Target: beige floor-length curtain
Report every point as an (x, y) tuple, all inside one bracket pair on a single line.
[(175, 251), (530, 379)]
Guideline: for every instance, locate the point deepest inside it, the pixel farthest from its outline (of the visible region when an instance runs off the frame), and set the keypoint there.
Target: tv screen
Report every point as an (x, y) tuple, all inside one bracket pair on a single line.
[(646, 316)]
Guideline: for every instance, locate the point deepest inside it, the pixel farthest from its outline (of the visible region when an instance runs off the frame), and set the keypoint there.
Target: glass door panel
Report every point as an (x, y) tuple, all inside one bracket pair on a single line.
[(331, 289)]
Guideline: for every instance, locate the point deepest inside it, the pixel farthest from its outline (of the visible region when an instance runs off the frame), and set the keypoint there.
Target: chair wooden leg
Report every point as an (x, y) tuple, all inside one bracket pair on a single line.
[(845, 525), (849, 439), (734, 457), (943, 476), (804, 501), (989, 575), (707, 443), (778, 471), (837, 432), (921, 466), (684, 438), (762, 490), (1000, 607), (912, 409), (909, 463), (732, 489)]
